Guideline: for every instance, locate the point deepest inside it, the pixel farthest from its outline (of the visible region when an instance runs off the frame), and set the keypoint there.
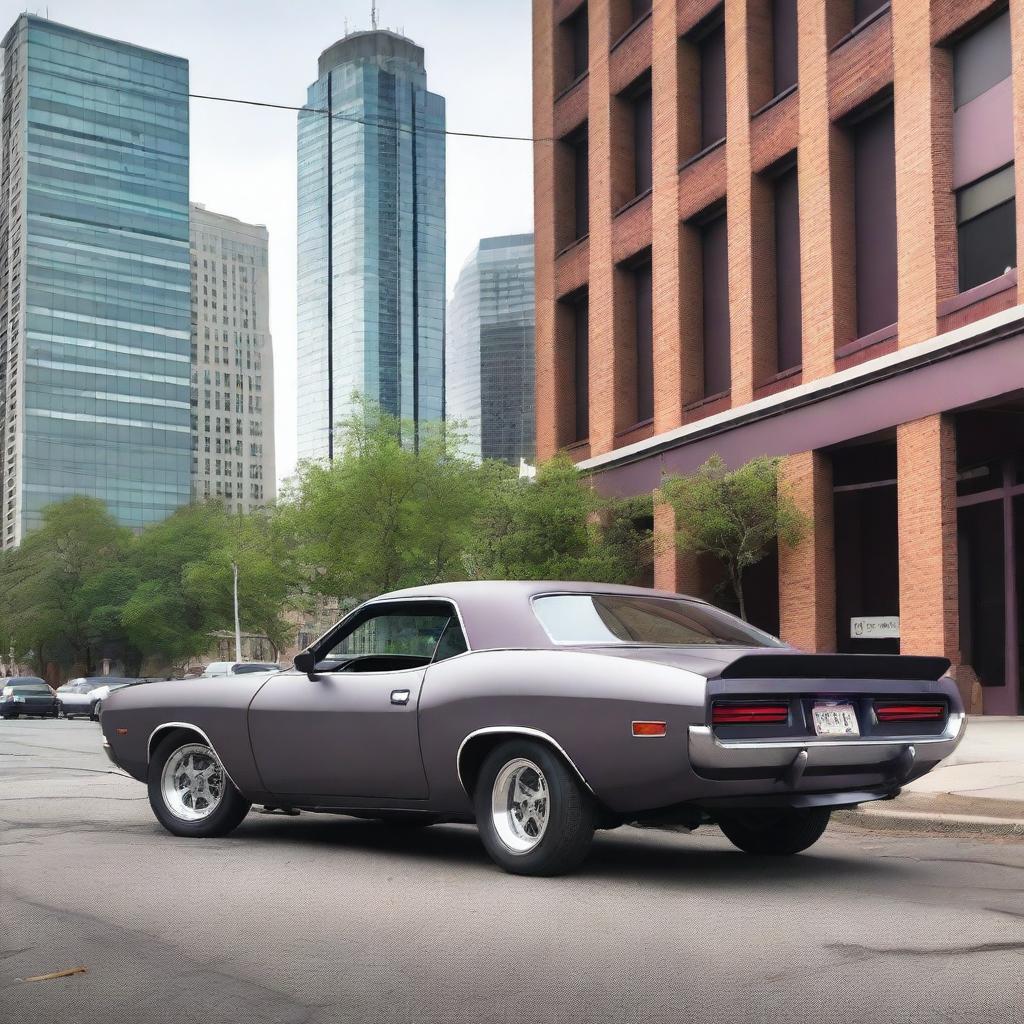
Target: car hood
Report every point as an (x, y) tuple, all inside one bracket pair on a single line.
[(239, 690)]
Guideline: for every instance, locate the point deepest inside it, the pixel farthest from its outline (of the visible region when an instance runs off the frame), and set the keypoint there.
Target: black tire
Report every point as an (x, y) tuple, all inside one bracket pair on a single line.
[(96, 709), (776, 833), (227, 816), (570, 812)]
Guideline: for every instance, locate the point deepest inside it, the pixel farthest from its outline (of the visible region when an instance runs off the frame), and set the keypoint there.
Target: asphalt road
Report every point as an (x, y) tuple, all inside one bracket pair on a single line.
[(321, 918)]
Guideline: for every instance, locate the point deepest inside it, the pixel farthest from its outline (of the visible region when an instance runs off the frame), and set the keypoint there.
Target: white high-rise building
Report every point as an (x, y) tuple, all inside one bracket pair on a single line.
[(232, 362)]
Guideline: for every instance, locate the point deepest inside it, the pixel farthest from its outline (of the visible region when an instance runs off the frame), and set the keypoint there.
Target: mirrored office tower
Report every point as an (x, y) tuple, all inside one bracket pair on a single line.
[(94, 276), (371, 214), (490, 362)]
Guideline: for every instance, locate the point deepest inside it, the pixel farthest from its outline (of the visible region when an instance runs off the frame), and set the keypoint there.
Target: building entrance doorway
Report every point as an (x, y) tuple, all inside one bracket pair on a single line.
[(867, 548), (990, 542)]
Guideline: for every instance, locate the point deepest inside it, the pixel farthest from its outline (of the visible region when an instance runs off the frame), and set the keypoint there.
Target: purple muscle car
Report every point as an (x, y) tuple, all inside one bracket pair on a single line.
[(542, 711)]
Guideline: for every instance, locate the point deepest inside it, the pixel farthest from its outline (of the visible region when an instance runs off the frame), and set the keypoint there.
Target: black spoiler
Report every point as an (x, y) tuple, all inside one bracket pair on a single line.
[(835, 666)]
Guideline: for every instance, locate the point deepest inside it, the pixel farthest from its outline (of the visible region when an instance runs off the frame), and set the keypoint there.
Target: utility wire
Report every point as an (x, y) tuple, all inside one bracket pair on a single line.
[(363, 121)]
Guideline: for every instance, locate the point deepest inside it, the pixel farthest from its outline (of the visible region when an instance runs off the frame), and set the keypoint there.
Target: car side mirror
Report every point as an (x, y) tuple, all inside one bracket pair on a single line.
[(305, 661)]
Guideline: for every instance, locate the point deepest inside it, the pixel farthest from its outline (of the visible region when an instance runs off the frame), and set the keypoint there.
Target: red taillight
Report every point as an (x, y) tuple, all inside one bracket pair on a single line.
[(910, 712), (750, 713)]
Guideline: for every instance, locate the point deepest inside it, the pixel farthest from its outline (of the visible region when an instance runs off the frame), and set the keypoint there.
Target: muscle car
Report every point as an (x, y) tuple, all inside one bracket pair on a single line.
[(542, 711)]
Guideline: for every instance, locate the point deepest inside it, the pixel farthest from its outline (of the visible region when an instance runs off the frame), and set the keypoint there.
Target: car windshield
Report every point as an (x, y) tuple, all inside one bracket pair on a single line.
[(634, 619)]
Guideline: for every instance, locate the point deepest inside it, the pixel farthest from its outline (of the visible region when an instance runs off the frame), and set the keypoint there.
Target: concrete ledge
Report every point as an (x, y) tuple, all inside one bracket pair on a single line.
[(895, 819)]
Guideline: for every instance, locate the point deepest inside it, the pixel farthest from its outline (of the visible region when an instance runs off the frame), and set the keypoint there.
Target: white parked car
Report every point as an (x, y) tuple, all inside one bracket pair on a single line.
[(83, 697)]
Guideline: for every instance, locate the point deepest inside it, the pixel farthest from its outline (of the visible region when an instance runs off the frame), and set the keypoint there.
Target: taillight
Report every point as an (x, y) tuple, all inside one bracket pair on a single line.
[(749, 713), (907, 712)]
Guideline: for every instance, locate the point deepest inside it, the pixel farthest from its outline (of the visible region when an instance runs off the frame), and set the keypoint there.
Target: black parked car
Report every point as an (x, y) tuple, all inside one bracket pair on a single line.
[(28, 696)]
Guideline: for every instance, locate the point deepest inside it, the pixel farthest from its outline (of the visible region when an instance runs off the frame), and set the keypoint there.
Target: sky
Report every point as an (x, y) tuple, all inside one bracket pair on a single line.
[(243, 159)]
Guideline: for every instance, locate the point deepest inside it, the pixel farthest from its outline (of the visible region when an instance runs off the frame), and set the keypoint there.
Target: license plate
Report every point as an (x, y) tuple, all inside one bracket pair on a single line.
[(19, 700), (835, 720)]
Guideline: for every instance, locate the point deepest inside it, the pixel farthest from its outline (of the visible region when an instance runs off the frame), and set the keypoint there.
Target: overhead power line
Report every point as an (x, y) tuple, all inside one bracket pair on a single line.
[(391, 126)]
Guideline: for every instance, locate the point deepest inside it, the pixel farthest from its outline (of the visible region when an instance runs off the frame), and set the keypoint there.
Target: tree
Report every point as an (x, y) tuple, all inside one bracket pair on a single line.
[(48, 598), (383, 516), (555, 527), (259, 545), (733, 515)]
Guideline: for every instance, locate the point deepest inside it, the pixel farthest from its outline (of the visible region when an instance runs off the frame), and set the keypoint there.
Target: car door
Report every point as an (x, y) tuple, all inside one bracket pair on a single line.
[(351, 731)]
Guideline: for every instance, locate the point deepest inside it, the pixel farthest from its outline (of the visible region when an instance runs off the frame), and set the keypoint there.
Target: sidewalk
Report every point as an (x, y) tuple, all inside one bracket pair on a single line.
[(979, 789)]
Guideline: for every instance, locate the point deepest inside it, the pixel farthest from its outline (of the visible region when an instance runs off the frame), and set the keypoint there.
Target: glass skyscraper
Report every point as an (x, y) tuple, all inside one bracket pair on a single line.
[(94, 276), (371, 239), (490, 363)]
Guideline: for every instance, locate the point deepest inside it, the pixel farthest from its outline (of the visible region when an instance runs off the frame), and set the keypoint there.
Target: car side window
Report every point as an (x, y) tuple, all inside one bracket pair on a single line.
[(452, 641), (407, 633)]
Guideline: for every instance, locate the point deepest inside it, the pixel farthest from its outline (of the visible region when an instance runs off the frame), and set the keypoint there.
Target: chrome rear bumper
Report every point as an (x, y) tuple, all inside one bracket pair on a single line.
[(791, 758)]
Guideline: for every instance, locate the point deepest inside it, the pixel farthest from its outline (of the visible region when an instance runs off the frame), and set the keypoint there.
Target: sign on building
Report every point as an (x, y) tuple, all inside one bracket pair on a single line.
[(874, 627)]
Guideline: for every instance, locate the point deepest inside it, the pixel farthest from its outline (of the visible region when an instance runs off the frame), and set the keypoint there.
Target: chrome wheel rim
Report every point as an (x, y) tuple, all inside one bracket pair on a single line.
[(192, 782), (520, 805)]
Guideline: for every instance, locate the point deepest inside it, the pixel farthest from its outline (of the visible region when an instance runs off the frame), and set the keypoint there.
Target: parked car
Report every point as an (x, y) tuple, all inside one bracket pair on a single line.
[(29, 696), (99, 695), (238, 668), (543, 711), (82, 697)]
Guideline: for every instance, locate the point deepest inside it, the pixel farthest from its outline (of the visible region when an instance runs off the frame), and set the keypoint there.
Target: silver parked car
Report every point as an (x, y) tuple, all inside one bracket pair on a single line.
[(543, 711), (83, 697)]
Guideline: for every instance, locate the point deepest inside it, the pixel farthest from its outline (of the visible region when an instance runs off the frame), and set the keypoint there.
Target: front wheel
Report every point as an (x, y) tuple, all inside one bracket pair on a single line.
[(777, 833), (189, 791), (534, 815)]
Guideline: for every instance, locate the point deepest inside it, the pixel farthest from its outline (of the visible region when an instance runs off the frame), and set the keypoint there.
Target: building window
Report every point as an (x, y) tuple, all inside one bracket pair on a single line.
[(644, 311), (787, 270), (874, 171), (642, 141), (575, 37), (712, 85), (983, 171), (581, 367), (581, 182), (784, 51), (986, 214), (863, 9), (715, 305)]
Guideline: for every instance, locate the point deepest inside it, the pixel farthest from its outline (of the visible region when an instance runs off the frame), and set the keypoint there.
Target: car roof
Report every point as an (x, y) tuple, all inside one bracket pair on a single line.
[(496, 614), (517, 589), (21, 680)]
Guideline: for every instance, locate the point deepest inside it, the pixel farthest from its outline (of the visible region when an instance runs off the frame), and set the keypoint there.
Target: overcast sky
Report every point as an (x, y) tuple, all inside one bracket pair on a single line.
[(243, 159)]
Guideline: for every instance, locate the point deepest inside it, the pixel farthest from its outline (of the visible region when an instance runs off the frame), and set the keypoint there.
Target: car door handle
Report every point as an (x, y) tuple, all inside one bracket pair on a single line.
[(399, 696)]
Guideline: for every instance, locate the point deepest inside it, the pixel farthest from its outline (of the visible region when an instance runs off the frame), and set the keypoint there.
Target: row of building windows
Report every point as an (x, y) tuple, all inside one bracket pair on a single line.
[(983, 179)]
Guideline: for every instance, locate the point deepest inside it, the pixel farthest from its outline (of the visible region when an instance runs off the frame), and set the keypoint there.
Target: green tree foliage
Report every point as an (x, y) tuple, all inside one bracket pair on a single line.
[(47, 600), (556, 527), (384, 516), (733, 515)]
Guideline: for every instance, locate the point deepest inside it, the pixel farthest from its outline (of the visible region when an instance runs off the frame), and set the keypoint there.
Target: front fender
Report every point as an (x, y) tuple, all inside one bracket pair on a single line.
[(217, 708)]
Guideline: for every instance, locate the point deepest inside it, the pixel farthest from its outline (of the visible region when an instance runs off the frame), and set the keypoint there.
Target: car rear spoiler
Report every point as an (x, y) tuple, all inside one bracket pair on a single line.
[(835, 666)]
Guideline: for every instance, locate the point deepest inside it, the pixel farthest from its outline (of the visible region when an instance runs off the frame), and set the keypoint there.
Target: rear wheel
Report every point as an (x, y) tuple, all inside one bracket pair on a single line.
[(777, 833), (534, 815), (96, 709), (189, 791)]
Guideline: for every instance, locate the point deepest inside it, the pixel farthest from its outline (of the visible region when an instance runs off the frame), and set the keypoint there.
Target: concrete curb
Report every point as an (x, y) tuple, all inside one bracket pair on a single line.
[(896, 820)]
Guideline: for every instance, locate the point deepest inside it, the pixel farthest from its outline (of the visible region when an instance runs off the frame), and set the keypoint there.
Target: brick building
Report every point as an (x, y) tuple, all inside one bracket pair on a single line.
[(789, 228)]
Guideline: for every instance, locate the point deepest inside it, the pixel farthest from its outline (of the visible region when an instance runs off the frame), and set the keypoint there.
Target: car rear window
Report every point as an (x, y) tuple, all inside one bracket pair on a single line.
[(631, 619), (30, 688)]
